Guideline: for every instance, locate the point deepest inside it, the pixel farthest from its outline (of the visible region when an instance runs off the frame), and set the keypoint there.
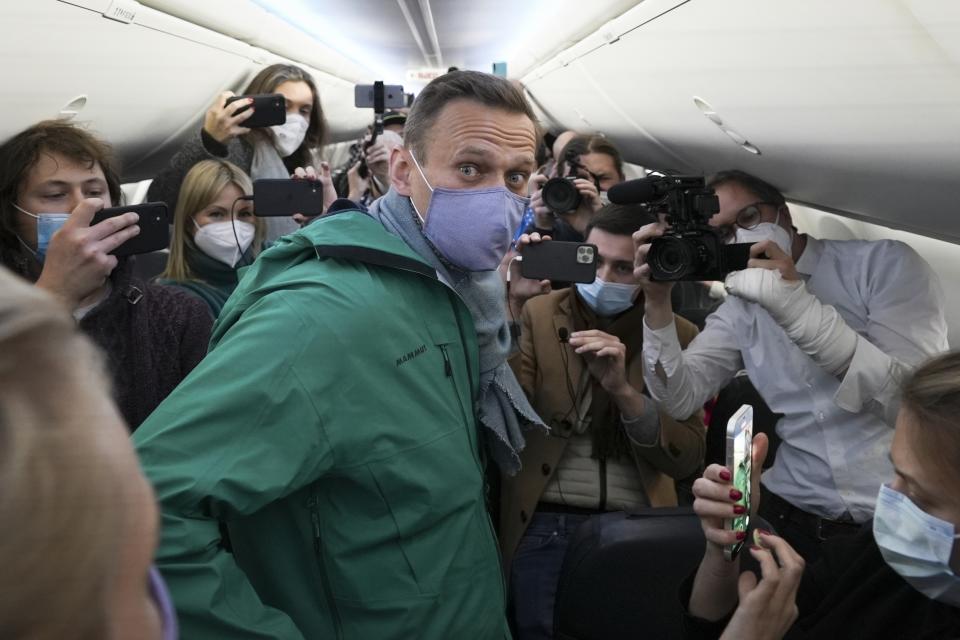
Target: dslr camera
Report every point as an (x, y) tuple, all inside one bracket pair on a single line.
[(560, 194), (691, 249)]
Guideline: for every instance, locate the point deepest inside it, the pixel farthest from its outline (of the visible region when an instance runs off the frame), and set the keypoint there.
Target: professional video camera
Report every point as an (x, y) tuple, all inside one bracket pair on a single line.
[(560, 195), (691, 249)]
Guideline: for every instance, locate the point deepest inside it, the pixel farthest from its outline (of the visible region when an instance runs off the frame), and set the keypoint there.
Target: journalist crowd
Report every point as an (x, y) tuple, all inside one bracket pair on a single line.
[(412, 416)]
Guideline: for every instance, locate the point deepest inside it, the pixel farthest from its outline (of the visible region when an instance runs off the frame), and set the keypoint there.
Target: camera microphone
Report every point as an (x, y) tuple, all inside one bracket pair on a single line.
[(563, 334), (638, 191)]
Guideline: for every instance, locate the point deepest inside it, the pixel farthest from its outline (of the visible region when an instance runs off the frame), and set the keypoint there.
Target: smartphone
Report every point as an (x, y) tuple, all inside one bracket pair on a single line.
[(393, 96), (283, 198), (740, 461), (560, 261), (154, 228), (268, 110)]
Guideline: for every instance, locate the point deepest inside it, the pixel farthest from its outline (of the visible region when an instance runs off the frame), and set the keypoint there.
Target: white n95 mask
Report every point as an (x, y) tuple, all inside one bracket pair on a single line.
[(766, 231), (218, 240), (288, 137)]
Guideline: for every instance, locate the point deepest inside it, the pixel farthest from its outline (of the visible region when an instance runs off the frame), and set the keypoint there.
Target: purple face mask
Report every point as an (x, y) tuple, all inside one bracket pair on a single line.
[(472, 228), (168, 616)]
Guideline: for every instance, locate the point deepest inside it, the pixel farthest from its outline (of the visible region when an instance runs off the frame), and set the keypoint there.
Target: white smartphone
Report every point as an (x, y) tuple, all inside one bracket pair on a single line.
[(740, 461)]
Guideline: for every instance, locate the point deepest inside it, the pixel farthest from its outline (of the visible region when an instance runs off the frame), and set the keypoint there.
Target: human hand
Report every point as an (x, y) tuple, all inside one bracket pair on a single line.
[(767, 608), (329, 191), (521, 289), (717, 500), (222, 122), (606, 358), (771, 280), (78, 260), (656, 294), (378, 160), (356, 184), (542, 215), (589, 194)]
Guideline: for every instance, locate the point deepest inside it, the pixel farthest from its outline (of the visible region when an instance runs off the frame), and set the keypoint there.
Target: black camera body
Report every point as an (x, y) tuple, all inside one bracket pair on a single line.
[(691, 249), (561, 195)]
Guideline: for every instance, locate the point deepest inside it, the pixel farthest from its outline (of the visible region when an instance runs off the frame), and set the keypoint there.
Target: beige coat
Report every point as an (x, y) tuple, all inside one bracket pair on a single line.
[(540, 370)]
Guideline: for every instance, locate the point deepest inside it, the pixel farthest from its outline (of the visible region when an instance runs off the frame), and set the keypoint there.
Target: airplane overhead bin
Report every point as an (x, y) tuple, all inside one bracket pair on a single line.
[(850, 107), (143, 78)]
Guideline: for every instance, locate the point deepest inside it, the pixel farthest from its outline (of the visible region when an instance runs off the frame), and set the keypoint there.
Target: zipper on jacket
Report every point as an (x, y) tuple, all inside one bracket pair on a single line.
[(312, 504), (447, 368)]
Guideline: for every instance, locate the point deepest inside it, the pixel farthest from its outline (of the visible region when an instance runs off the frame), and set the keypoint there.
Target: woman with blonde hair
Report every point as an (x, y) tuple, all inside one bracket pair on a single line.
[(79, 518), (214, 233)]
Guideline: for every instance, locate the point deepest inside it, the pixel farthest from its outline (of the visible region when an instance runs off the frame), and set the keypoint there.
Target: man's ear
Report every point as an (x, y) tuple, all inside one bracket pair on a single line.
[(400, 168)]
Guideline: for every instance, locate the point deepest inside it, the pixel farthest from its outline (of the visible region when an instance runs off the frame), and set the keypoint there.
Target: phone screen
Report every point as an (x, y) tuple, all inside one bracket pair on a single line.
[(739, 461)]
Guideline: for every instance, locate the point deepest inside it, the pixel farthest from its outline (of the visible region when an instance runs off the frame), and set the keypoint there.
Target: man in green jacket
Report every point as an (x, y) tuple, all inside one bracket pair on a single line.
[(355, 386)]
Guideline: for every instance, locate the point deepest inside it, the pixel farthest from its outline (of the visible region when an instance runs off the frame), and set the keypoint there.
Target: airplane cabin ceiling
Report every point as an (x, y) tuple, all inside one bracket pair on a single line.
[(854, 105)]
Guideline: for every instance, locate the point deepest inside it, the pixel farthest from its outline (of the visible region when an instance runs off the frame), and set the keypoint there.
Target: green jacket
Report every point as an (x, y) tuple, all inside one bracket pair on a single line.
[(331, 430)]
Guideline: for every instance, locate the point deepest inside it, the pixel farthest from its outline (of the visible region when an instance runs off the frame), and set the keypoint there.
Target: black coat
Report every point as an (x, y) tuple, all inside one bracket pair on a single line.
[(152, 336), (852, 593)]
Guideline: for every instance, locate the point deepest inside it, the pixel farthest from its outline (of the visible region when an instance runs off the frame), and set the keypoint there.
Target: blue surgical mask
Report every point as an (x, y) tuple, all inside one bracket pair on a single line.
[(471, 228), (917, 546), (47, 225), (607, 298)]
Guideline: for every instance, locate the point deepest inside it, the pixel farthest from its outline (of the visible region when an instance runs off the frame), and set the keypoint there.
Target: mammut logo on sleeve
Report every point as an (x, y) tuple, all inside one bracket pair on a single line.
[(419, 351)]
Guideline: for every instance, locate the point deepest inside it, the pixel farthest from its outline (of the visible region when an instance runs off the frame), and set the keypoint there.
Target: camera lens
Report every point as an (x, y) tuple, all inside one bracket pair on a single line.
[(671, 258), (560, 195)]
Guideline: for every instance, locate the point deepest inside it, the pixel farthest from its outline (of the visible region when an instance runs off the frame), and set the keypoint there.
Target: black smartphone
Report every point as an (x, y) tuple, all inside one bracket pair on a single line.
[(268, 110), (393, 96), (154, 228), (560, 261), (283, 198)]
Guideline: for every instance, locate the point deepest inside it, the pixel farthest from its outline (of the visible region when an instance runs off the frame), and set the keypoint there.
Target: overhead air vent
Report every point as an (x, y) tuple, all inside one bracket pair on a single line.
[(711, 114), (70, 110)]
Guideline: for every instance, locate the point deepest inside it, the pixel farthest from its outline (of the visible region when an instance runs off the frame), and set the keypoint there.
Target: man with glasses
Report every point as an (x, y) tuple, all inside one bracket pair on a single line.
[(824, 329)]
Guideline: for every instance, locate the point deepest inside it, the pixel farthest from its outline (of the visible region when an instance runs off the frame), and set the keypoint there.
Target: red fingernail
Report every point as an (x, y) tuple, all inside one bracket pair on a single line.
[(735, 494), (739, 509), (741, 535), (725, 475)]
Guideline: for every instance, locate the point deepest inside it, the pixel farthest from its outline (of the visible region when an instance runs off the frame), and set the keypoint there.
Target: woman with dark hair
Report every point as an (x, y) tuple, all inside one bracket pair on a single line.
[(899, 577), (270, 152)]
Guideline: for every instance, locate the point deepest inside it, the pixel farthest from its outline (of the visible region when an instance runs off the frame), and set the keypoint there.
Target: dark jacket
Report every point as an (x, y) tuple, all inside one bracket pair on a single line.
[(152, 337), (851, 593), (214, 282), (166, 184), (332, 429)]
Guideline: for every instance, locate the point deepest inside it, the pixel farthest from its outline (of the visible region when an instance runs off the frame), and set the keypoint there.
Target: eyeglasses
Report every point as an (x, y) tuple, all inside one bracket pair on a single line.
[(747, 218)]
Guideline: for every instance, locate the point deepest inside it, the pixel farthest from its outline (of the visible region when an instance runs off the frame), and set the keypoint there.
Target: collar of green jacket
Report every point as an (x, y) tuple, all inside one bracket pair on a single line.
[(350, 235)]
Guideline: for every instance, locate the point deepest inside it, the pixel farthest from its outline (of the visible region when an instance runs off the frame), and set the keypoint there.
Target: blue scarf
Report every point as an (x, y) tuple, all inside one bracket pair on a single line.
[(503, 410)]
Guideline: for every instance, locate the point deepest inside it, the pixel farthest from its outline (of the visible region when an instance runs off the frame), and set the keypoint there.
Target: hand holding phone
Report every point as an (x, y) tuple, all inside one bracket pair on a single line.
[(154, 226), (284, 198), (268, 109), (740, 464), (560, 261)]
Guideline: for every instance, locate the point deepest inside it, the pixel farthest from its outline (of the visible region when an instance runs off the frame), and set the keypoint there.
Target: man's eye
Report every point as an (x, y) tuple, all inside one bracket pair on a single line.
[(624, 269), (54, 196), (517, 179), (469, 171)]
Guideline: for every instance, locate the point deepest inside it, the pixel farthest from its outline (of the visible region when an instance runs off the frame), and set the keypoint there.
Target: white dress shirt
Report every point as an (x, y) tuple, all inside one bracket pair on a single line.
[(835, 434)]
